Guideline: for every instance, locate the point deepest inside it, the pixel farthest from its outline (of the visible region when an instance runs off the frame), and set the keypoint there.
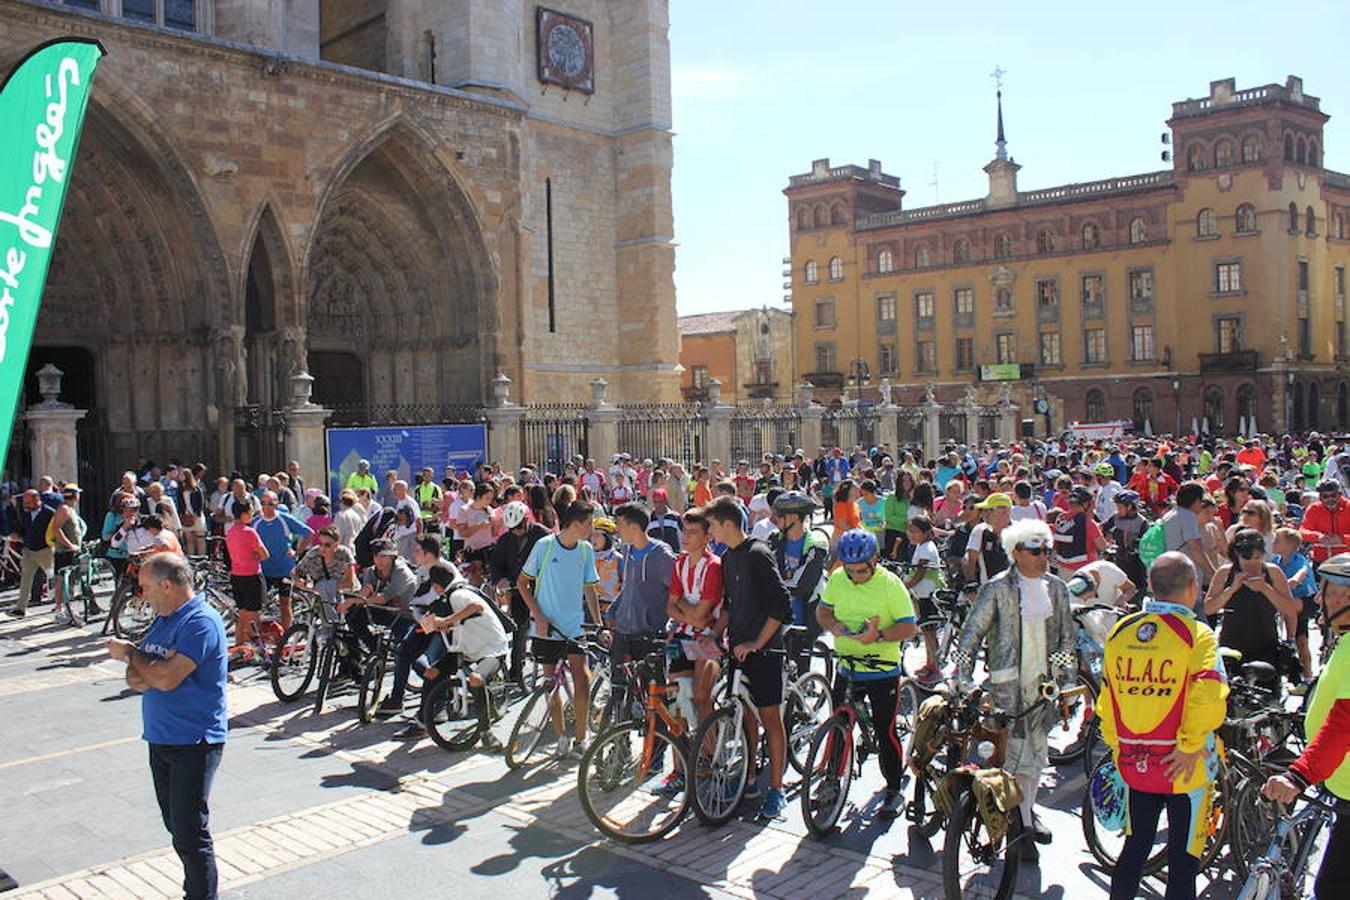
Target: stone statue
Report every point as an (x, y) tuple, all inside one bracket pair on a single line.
[(1004, 394), (232, 362), (885, 388), (929, 394), (969, 397), (291, 352)]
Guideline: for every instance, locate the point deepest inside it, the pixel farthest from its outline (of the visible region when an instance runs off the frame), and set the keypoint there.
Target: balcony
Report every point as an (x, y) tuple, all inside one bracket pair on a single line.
[(825, 379), (1232, 361)]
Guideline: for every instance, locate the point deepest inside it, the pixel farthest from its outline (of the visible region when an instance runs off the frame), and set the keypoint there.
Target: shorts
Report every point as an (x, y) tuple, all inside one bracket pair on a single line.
[(282, 583), (62, 560), (928, 610), (764, 677), (480, 555), (548, 651), (248, 592), (1310, 611), (682, 653)]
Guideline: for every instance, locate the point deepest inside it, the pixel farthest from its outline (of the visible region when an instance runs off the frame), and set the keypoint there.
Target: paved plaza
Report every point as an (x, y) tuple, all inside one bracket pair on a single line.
[(305, 805)]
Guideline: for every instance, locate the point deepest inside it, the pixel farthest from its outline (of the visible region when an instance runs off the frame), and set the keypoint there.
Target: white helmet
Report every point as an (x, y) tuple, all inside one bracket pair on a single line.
[(514, 513)]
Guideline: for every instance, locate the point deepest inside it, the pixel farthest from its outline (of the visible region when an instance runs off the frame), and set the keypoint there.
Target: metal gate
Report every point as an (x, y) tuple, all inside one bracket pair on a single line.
[(259, 439), (760, 429), (988, 427), (850, 425), (550, 434), (677, 431), (909, 430)]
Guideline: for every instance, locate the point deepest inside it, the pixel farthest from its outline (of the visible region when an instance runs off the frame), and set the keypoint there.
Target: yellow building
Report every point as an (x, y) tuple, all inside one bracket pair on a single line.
[(1211, 290)]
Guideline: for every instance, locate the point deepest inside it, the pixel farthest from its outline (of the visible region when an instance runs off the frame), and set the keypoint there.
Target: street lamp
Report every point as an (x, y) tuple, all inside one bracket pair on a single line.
[(1176, 400), (859, 376)]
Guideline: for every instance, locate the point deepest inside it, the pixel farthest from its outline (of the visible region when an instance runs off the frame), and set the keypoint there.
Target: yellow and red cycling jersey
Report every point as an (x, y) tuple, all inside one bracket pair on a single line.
[(1163, 687)]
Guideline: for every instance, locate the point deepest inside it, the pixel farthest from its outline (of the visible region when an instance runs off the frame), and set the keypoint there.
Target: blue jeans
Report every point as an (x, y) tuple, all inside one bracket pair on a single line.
[(183, 774)]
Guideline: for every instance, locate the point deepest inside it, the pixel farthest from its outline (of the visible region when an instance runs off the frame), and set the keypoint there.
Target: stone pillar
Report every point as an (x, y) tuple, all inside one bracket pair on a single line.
[(1007, 415), (305, 430), (811, 415), (51, 430), (972, 413), (603, 429), (504, 426), (931, 428), (719, 434), (888, 429)]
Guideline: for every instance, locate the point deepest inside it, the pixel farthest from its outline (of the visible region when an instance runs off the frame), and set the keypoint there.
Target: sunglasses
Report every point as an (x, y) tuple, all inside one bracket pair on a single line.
[(1036, 551), (1249, 512)]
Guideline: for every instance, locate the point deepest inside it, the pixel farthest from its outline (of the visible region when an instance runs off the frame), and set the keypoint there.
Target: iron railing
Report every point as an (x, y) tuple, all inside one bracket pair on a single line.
[(676, 431), (406, 414), (758, 429), (551, 434)]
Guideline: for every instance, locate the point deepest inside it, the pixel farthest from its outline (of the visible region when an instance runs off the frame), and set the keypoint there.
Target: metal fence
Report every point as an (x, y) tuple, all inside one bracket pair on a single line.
[(952, 427), (989, 423), (909, 430), (550, 434), (678, 431), (405, 414), (850, 425), (756, 430)]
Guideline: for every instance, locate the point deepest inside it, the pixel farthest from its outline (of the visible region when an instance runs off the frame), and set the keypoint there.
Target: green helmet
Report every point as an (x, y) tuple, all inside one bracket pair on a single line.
[(1105, 469)]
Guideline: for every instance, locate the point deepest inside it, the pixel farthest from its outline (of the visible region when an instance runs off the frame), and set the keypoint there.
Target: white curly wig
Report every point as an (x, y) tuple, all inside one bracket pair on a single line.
[(1023, 531)]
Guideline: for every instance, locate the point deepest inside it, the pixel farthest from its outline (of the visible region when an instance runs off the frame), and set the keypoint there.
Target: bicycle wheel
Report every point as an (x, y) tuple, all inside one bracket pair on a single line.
[(623, 783), (1105, 844), (829, 772), (972, 863), (807, 707), (371, 690), (907, 700), (223, 604), (450, 714), (927, 818), (822, 660), (535, 720), (1070, 735), (721, 766), (602, 692), (327, 667), (132, 614), (293, 663)]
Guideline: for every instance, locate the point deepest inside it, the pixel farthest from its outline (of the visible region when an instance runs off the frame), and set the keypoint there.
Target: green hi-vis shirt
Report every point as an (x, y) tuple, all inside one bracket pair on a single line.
[(1333, 686), (883, 595)]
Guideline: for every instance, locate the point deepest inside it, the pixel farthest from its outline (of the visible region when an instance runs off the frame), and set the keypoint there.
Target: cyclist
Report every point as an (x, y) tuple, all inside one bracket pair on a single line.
[(562, 568), (1163, 694), (638, 616), (1327, 728), (694, 604), (868, 610), (801, 555), (505, 561), (1253, 591)]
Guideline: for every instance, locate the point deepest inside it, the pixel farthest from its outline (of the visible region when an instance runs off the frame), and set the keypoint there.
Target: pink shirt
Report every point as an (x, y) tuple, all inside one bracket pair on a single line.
[(242, 541)]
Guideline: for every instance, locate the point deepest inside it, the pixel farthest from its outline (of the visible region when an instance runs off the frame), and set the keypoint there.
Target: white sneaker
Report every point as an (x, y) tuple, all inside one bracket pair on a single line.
[(563, 748), (578, 750)]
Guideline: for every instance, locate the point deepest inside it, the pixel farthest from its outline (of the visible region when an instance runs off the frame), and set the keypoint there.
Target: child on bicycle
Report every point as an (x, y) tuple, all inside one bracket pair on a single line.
[(924, 580)]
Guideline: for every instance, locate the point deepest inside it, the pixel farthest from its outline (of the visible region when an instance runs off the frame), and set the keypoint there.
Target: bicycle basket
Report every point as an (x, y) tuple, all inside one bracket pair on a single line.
[(1107, 792), (997, 796), (928, 725)]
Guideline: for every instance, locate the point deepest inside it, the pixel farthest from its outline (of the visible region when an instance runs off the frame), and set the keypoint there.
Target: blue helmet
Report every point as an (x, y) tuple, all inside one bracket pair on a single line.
[(857, 546)]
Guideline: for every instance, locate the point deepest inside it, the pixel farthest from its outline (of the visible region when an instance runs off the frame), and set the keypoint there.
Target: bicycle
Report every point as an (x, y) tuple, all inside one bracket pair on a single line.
[(450, 708), (129, 613), (1275, 877), (293, 665), (835, 757), (617, 771), (1078, 704), (81, 584), (341, 647), (551, 702)]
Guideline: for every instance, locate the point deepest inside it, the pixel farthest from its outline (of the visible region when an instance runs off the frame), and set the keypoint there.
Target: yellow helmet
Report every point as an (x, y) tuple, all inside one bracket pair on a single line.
[(605, 524)]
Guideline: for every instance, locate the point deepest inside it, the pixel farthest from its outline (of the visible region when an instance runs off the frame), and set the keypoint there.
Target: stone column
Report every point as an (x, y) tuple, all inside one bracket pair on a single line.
[(603, 426), (51, 430), (971, 410), (888, 428), (811, 415), (719, 426), (504, 426), (931, 428), (305, 429), (1007, 415)]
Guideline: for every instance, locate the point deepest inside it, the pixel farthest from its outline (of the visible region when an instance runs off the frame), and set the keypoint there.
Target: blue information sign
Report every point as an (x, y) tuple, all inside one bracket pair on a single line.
[(404, 449)]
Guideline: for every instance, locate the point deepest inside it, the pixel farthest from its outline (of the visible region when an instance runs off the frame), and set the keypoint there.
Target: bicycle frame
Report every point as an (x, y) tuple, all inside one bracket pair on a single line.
[(1316, 811)]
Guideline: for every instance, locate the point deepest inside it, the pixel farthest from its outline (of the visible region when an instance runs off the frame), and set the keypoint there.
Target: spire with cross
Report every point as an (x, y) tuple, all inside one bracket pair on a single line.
[(1001, 143)]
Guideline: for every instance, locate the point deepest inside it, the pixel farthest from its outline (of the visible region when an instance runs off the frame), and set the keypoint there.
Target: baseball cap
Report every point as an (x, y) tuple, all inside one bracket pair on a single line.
[(660, 495), (996, 501), (71, 490)]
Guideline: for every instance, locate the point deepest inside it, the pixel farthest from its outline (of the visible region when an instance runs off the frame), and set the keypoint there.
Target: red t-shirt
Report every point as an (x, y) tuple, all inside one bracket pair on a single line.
[(242, 541), (701, 580)]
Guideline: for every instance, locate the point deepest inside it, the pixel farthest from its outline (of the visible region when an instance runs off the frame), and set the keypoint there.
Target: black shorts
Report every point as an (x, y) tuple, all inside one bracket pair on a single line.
[(928, 611), (676, 662), (248, 592), (1310, 611), (551, 650), (282, 583), (62, 560), (764, 677)]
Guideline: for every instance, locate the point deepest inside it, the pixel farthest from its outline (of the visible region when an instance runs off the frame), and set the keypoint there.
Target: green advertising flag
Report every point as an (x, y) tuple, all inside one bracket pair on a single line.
[(42, 104)]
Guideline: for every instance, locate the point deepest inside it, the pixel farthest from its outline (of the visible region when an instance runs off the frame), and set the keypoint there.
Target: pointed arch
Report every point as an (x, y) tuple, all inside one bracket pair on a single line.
[(265, 234)]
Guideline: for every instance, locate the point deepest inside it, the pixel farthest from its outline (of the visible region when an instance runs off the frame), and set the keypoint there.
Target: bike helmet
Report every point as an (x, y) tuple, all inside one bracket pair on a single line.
[(1336, 569), (1105, 469), (794, 502), (514, 513), (1129, 497), (857, 546), (604, 524)]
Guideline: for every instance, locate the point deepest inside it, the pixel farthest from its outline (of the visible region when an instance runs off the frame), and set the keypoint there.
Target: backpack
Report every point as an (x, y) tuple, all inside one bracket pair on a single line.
[(1152, 543), (489, 601)]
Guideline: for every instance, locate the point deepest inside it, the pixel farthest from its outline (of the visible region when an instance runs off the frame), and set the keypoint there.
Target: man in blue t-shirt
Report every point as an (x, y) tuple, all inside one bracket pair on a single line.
[(279, 530), (558, 583), (179, 669)]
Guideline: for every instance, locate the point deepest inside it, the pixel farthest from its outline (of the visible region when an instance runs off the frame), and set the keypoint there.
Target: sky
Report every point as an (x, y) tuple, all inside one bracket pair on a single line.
[(760, 88)]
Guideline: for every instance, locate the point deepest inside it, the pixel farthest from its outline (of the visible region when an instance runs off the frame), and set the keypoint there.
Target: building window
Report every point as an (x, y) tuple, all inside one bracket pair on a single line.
[(140, 10), (1050, 355), (1206, 223), (1340, 339), (1301, 150), (1228, 277), (1312, 152), (1303, 275), (1246, 401), (836, 269), (1092, 236), (1251, 149), (1003, 300), (1094, 293), (812, 272), (701, 377), (1141, 286), (1289, 148), (84, 4), (924, 307), (1141, 343), (1246, 218), (885, 262), (1047, 293), (922, 258), (961, 251), (886, 308), (825, 357), (1045, 241), (825, 313), (803, 219), (965, 354), (1094, 345), (764, 371), (963, 303), (886, 361), (1142, 407), (1223, 154), (1096, 406), (1214, 407), (1305, 337), (1310, 223), (1138, 230), (1002, 246), (1338, 226), (1195, 158), (1338, 281), (1293, 218), (1228, 334), (925, 356), (1005, 347)]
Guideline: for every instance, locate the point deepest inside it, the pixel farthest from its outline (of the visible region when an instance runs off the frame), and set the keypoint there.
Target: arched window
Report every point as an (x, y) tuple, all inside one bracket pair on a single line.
[(1310, 222), (1246, 401), (1293, 218), (1138, 230), (812, 272), (1206, 223), (1223, 154), (1142, 408), (1251, 149), (961, 251), (837, 214), (836, 268), (1003, 300), (885, 261), (1245, 218), (1002, 246), (1296, 408), (1314, 416), (1045, 241), (1289, 148), (1301, 150), (1096, 406), (1312, 152), (822, 216), (1195, 158), (803, 219), (922, 258), (1092, 236), (1214, 408)]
